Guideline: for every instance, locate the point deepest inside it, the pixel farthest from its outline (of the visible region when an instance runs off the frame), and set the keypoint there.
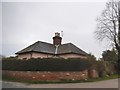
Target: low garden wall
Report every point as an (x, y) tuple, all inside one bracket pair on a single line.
[(53, 69), (46, 75)]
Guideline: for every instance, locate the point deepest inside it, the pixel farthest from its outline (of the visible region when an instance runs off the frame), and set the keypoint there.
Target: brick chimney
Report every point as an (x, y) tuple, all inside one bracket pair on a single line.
[(57, 39)]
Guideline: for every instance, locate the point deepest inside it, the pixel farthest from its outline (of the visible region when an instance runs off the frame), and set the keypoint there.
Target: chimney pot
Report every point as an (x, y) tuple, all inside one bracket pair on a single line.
[(57, 34)]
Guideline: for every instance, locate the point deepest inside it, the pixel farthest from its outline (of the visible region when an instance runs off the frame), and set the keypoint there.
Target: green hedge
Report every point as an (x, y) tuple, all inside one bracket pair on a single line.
[(46, 65)]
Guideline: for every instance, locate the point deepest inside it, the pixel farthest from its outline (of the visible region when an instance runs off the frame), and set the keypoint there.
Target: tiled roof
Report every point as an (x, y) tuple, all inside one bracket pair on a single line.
[(44, 47), (39, 47), (70, 48)]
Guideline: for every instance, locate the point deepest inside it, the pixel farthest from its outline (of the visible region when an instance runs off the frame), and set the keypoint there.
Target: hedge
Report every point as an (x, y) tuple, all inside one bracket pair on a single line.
[(46, 65)]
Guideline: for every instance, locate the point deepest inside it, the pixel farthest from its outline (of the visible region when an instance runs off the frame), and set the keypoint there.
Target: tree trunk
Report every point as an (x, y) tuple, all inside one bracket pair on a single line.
[(119, 36)]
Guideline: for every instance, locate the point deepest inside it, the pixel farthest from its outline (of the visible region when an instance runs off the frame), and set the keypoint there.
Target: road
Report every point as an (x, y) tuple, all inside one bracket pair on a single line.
[(99, 84)]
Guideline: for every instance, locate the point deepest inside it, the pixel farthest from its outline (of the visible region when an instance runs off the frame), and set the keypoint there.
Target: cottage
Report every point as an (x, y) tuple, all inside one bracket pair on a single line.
[(46, 50)]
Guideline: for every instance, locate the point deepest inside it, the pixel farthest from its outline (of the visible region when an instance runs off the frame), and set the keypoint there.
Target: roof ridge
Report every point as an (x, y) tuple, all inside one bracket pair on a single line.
[(65, 43), (46, 42)]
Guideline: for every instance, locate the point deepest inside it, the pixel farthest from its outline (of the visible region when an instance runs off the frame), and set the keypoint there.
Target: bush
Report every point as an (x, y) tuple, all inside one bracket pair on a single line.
[(46, 64), (101, 68), (105, 68), (9, 58)]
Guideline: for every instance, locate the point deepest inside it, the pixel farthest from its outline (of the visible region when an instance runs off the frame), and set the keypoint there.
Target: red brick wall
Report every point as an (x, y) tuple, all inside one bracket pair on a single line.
[(93, 73), (57, 40), (46, 76)]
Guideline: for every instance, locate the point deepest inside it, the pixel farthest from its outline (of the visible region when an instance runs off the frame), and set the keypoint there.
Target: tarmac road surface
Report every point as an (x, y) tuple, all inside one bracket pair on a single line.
[(113, 83)]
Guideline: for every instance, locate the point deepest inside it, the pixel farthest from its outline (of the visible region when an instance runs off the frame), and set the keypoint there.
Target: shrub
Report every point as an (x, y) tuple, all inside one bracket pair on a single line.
[(101, 68), (48, 64)]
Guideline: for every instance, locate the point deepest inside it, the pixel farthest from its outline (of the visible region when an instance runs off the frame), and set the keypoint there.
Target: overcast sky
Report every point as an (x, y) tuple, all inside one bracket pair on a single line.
[(24, 23)]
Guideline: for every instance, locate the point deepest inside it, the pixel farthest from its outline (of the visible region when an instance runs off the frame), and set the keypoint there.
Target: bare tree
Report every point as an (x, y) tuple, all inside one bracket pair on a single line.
[(119, 36), (108, 26), (119, 22)]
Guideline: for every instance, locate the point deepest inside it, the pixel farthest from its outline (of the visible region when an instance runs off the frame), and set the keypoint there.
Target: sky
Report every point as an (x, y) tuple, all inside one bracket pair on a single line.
[(24, 23)]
